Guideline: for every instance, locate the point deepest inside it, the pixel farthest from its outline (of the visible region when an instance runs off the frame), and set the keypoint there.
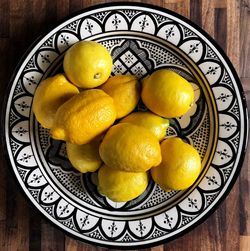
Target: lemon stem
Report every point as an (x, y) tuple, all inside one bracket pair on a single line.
[(97, 75)]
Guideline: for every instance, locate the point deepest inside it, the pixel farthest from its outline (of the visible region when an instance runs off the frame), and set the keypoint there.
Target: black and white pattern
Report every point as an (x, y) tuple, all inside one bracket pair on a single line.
[(140, 40)]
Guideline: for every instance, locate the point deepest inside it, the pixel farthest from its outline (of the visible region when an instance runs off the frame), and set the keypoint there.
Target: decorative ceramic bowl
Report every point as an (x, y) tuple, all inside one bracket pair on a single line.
[(141, 39)]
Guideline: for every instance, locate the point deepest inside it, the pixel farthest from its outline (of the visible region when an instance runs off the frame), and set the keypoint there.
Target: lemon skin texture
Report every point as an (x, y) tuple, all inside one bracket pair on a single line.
[(180, 166), (125, 90), (50, 94), (130, 148), (156, 124), (120, 186), (84, 158), (87, 64), (167, 94), (84, 117)]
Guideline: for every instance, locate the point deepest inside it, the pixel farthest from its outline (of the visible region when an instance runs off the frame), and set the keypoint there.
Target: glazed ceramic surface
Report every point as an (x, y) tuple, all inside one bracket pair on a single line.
[(141, 39)]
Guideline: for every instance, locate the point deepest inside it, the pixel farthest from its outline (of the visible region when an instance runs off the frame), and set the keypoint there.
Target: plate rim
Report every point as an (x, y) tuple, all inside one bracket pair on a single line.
[(224, 56)]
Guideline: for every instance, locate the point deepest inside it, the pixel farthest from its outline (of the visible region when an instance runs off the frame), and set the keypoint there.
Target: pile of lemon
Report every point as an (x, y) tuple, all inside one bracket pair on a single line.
[(93, 113)]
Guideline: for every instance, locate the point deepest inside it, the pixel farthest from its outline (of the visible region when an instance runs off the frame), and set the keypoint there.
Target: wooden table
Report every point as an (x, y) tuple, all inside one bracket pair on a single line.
[(21, 227)]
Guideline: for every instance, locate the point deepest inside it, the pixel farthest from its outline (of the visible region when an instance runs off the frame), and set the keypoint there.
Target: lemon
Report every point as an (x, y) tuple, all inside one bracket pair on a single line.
[(85, 158), (50, 94), (180, 166), (156, 124), (83, 117), (120, 186), (87, 64), (125, 90), (167, 94), (130, 148)]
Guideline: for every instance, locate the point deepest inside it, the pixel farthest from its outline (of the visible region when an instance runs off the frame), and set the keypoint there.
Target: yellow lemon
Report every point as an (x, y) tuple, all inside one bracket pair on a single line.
[(167, 94), (125, 90), (156, 124), (87, 64), (120, 186), (130, 148), (85, 158), (83, 117), (180, 166), (50, 94)]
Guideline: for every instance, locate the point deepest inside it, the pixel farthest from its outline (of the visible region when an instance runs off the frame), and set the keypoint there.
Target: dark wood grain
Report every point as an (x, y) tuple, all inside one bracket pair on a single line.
[(244, 45), (21, 227), (51, 238), (220, 29), (245, 38), (4, 18), (195, 12)]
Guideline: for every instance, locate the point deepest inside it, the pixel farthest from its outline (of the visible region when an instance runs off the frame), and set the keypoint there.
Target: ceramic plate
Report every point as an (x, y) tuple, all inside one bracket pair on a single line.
[(141, 39)]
